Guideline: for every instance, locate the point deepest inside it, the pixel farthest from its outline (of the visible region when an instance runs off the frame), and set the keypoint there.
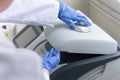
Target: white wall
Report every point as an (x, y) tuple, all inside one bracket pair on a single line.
[(105, 21)]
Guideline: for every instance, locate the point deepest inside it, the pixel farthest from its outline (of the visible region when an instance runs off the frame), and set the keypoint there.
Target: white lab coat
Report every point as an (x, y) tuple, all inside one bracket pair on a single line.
[(19, 64), (36, 12)]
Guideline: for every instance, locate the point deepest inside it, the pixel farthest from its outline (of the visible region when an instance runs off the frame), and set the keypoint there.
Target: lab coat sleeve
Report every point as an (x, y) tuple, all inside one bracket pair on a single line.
[(21, 59), (45, 75), (21, 64), (35, 12)]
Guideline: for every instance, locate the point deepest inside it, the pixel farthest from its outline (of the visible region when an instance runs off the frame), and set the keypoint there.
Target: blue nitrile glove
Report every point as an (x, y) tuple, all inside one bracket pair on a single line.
[(69, 16), (51, 59)]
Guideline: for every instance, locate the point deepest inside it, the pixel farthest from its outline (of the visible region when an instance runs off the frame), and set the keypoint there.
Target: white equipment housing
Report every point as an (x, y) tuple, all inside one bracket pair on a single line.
[(96, 41)]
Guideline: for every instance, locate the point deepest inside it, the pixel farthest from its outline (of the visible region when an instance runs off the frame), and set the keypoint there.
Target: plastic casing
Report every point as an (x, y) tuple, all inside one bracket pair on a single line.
[(96, 41)]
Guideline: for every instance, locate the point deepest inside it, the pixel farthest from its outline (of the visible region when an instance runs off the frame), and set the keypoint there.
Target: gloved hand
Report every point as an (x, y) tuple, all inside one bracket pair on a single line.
[(69, 16), (51, 59)]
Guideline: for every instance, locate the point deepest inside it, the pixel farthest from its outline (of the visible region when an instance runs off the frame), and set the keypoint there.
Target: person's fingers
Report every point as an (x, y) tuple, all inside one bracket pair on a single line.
[(58, 55), (46, 54), (58, 52), (85, 21), (81, 16), (70, 23), (51, 52), (54, 52)]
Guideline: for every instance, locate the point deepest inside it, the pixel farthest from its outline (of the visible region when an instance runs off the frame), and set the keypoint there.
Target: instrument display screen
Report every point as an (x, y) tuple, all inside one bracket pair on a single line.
[(27, 35)]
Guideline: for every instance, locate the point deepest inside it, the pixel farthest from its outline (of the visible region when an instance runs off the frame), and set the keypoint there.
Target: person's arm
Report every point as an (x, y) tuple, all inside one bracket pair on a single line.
[(42, 12), (50, 60), (70, 16), (35, 12)]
